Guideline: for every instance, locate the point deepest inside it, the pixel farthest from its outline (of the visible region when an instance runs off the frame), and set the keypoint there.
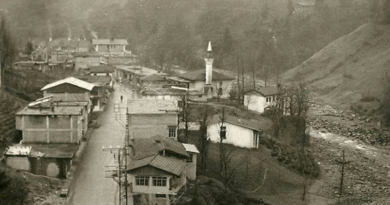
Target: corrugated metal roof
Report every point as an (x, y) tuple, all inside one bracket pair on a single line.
[(53, 150), (151, 106), (110, 42), (169, 164), (191, 148), (70, 80), (199, 75)]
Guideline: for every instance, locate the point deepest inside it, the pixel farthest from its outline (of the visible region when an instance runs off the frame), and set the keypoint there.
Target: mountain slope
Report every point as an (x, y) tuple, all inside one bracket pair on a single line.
[(349, 68)]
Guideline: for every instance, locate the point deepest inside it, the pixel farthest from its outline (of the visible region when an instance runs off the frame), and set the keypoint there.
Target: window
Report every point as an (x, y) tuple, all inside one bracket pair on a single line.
[(189, 159), (142, 181), (172, 132), (159, 181), (266, 99)]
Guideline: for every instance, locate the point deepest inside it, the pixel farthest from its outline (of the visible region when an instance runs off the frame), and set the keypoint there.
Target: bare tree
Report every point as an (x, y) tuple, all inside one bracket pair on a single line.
[(186, 113), (276, 111), (7, 48), (204, 139)]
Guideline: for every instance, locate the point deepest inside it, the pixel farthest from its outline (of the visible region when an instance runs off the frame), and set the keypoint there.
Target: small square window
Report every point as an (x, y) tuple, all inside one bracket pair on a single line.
[(172, 132)]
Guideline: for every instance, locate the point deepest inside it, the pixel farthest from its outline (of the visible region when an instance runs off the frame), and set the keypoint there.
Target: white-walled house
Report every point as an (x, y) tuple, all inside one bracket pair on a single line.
[(239, 132), (258, 100), (193, 152)]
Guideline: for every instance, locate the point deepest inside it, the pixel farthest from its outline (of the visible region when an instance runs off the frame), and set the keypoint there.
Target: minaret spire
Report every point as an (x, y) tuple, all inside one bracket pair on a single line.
[(209, 65), (209, 51)]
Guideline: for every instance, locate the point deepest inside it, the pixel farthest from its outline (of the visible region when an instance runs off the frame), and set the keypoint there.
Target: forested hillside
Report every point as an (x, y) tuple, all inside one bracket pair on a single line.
[(264, 37)]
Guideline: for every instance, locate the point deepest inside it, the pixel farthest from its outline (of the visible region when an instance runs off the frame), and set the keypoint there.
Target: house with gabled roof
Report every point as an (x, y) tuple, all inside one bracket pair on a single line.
[(68, 89), (157, 168), (209, 81), (259, 100), (111, 46), (239, 132)]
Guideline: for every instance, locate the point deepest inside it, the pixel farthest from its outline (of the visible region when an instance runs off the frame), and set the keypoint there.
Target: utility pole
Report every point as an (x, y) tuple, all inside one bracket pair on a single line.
[(111, 173), (342, 176)]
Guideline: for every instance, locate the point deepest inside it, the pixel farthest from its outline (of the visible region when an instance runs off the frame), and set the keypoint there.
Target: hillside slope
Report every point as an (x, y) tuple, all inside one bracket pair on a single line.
[(349, 68)]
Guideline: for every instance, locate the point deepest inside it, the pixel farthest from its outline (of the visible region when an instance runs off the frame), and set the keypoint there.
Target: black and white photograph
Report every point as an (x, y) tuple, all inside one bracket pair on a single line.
[(194, 102)]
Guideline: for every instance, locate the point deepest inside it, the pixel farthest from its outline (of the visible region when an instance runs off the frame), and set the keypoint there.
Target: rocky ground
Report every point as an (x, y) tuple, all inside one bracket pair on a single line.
[(367, 155)]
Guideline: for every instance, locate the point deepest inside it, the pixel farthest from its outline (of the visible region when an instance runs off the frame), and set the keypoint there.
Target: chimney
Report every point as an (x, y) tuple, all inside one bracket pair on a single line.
[(50, 39), (209, 65)]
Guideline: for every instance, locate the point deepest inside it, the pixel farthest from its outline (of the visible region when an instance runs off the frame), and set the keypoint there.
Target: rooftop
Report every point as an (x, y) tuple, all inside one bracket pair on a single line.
[(138, 70), (53, 150), (151, 106), (43, 150), (101, 69), (148, 151), (265, 91), (96, 80), (110, 42), (55, 110), (72, 81), (191, 148), (246, 123), (169, 91), (153, 77), (169, 164), (199, 75), (147, 147)]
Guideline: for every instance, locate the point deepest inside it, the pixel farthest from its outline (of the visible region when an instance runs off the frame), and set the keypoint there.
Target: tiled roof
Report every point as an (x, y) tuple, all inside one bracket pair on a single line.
[(199, 75), (101, 69), (70, 80), (146, 147), (250, 124), (191, 148), (58, 110), (169, 164), (110, 42), (151, 106)]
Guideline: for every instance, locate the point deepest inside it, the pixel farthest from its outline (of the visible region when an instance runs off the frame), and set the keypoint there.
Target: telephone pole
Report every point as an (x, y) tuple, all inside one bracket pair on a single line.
[(118, 170)]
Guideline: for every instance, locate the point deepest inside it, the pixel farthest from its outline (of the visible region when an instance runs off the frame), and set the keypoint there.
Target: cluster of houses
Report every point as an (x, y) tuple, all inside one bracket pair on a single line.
[(76, 54), (158, 164), (52, 128)]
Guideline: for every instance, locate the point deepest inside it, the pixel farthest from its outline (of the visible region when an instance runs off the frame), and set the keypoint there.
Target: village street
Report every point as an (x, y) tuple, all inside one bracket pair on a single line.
[(89, 184)]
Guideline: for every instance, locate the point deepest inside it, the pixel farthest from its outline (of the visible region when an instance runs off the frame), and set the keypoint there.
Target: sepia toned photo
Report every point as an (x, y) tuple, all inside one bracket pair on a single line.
[(194, 102)]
